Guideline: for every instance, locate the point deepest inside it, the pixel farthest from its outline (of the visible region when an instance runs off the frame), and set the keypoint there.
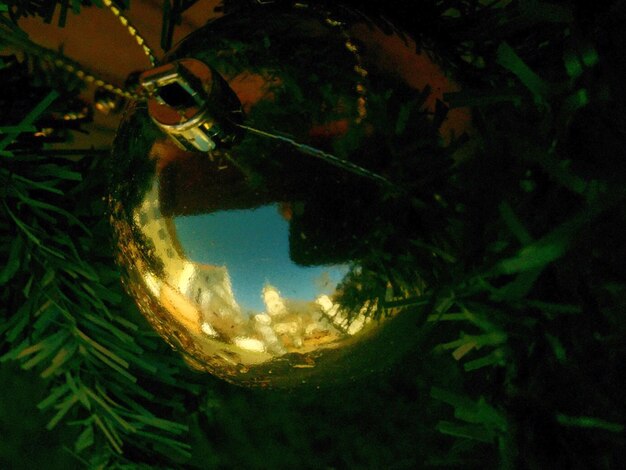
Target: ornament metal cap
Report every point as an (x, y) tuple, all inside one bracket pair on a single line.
[(192, 104)]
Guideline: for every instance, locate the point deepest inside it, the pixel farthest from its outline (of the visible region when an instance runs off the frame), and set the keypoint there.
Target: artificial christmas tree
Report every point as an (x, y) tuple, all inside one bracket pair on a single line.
[(519, 328)]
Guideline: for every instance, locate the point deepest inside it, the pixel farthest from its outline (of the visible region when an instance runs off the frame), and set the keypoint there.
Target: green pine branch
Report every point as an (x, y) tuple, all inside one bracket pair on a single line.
[(62, 305)]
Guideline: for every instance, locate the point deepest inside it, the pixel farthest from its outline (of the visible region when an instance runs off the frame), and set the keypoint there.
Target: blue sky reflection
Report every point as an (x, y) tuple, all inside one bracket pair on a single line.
[(254, 245)]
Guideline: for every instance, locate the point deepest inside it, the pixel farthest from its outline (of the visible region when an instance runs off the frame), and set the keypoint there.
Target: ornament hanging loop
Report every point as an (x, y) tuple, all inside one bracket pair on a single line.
[(192, 103)]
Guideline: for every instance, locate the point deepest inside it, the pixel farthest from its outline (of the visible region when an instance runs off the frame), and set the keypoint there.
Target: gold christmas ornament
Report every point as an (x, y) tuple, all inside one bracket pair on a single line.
[(265, 194)]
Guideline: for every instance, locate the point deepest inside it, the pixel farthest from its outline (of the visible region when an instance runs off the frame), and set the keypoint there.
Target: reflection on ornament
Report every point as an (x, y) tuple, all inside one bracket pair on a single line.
[(263, 198)]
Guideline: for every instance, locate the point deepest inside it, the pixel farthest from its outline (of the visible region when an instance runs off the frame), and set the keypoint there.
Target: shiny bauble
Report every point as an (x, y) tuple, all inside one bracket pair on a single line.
[(267, 194)]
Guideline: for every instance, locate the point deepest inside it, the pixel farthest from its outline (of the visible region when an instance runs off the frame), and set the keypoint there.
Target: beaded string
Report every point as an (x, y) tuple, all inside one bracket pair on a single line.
[(64, 63), (131, 30), (353, 48), (61, 61), (361, 91)]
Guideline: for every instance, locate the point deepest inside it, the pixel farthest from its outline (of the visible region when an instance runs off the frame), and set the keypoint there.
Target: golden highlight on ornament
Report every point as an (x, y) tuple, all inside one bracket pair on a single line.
[(260, 199)]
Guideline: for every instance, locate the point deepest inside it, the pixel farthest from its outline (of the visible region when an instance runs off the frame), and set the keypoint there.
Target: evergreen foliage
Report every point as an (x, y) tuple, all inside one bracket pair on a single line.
[(521, 363)]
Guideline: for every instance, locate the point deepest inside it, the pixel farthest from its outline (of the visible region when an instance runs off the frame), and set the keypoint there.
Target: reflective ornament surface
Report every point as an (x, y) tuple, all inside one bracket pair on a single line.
[(267, 196)]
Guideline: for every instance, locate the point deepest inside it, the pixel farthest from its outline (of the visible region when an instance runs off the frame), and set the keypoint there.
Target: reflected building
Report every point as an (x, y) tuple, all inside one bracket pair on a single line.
[(200, 298)]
